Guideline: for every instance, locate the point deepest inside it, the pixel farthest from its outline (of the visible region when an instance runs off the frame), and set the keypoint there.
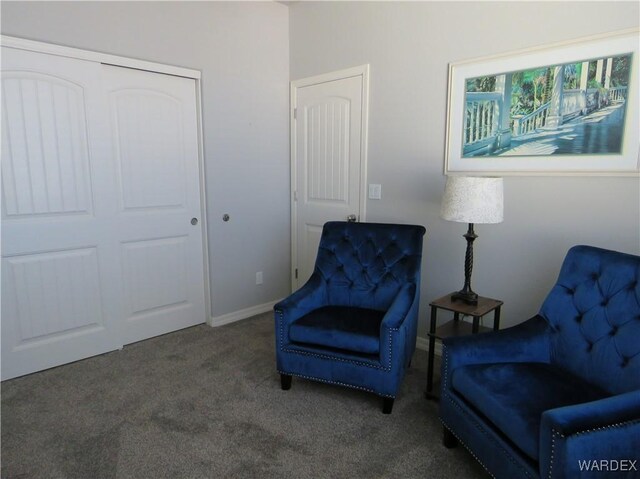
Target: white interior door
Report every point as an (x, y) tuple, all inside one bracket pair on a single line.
[(329, 161), (100, 182), (158, 220), (59, 298)]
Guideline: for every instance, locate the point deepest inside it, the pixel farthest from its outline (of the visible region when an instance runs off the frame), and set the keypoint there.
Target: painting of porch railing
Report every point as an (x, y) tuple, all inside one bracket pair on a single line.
[(567, 109)]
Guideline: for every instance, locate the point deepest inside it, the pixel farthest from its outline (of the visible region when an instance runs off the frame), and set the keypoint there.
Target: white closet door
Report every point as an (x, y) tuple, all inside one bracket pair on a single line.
[(100, 183), (60, 302), (158, 224)]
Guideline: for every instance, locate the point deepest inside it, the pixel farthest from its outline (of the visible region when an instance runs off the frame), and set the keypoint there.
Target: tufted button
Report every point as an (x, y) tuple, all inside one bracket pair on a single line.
[(604, 302), (589, 346), (595, 276), (625, 361), (579, 318), (570, 291), (340, 266), (633, 285), (613, 331)]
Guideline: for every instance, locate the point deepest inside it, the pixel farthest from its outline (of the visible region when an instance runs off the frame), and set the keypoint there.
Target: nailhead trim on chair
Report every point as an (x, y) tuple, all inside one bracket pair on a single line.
[(602, 428), (470, 451), (445, 353), (336, 382), (553, 450), (333, 358), (555, 433), (323, 356)]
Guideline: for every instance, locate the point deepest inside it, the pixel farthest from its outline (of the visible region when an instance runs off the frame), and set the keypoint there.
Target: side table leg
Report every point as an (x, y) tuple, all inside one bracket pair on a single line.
[(432, 347), (496, 319), (475, 327)]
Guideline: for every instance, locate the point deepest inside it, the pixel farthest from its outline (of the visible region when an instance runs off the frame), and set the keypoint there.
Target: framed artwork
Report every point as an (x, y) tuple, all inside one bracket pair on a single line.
[(569, 108)]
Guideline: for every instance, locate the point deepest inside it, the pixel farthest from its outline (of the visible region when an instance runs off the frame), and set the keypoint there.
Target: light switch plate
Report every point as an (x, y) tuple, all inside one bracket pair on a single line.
[(375, 191)]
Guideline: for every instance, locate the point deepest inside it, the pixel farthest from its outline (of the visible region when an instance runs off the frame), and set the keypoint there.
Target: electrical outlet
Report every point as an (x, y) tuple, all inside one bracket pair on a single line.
[(259, 277)]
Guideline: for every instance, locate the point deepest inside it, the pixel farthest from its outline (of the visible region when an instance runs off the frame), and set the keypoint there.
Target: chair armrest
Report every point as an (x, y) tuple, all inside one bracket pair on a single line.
[(312, 295), (396, 335), (524, 342), (400, 307), (606, 431)]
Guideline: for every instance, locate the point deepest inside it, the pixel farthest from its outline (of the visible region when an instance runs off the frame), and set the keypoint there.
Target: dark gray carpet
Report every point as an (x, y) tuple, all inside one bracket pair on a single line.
[(206, 403)]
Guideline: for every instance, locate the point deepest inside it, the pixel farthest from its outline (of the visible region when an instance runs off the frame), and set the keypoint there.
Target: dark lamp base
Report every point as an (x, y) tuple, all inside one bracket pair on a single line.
[(466, 294), (468, 297)]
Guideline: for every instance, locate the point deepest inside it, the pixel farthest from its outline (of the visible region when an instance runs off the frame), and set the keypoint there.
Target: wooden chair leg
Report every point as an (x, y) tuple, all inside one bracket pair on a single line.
[(285, 382), (448, 439), (387, 405)]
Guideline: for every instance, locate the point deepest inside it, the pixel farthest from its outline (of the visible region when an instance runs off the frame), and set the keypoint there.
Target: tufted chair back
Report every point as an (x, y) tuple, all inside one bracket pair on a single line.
[(594, 315), (365, 264)]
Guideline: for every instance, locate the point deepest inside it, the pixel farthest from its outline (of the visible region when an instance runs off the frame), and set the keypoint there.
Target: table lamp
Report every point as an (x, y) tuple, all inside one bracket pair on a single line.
[(471, 200)]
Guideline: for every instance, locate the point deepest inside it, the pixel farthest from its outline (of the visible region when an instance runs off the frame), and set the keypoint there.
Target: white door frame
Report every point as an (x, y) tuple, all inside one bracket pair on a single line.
[(59, 50), (363, 72)]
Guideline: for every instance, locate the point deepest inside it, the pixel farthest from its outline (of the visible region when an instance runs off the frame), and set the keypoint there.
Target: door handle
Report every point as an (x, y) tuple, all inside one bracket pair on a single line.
[(194, 221), (352, 218)]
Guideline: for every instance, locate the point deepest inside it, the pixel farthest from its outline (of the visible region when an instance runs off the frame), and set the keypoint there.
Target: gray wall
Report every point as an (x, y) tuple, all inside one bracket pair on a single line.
[(242, 50), (409, 46)]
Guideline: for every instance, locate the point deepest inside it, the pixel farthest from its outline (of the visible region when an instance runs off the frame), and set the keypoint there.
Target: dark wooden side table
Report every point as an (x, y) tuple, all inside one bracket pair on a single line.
[(455, 327)]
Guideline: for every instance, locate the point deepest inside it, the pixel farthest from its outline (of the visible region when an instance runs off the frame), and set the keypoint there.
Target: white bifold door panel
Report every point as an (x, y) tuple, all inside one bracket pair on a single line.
[(60, 294), (155, 142), (328, 162), (100, 182)]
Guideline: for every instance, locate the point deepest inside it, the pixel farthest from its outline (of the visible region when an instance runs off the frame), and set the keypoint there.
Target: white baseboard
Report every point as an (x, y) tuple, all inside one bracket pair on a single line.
[(242, 314), (423, 345)]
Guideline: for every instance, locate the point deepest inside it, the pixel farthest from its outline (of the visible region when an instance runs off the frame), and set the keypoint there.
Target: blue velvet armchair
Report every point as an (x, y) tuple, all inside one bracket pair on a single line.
[(557, 396), (354, 322)]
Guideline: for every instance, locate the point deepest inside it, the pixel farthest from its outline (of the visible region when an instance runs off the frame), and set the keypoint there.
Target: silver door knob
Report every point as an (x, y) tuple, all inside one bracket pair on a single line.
[(352, 218), (194, 221)]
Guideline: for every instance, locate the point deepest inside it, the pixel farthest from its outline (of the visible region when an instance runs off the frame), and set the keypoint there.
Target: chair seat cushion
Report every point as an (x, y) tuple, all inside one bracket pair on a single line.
[(342, 327), (513, 396)]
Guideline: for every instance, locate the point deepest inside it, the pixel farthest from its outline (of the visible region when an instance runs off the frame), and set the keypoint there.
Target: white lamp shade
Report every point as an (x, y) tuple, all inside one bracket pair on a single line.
[(473, 200)]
